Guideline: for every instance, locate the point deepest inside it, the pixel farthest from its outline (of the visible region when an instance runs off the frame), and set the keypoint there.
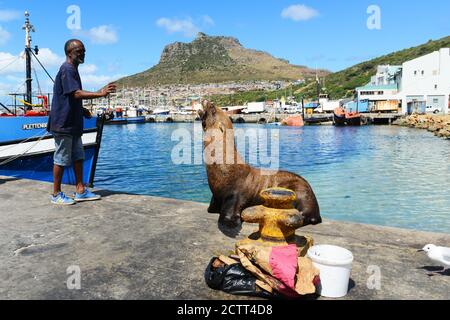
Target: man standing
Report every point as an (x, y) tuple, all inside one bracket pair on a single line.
[(66, 123)]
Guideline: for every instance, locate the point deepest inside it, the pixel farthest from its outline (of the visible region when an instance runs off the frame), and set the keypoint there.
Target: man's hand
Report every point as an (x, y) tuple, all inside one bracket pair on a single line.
[(108, 89), (87, 113)]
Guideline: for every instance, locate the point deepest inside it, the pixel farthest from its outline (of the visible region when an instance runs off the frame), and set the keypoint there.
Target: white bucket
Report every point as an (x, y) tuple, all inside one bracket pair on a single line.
[(335, 265)]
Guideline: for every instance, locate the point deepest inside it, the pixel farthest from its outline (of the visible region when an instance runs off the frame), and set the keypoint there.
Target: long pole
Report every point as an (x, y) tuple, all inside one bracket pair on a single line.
[(357, 101), (28, 77), (28, 27), (303, 107), (318, 89)]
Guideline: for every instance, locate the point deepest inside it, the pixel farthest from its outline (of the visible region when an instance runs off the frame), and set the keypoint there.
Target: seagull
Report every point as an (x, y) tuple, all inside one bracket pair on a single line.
[(439, 255)]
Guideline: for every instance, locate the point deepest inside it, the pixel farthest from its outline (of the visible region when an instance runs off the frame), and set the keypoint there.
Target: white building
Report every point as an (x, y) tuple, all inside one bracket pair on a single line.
[(382, 92), (427, 79), (424, 82)]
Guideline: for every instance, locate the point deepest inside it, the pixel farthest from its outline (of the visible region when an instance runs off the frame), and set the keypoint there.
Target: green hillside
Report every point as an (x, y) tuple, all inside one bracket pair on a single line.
[(343, 83)]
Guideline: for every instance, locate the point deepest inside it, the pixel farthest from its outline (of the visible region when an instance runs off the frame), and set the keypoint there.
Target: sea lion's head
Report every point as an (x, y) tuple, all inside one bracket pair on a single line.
[(214, 118)]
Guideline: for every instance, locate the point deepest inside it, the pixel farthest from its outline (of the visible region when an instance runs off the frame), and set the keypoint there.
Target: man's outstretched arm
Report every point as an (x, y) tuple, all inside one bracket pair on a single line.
[(104, 92)]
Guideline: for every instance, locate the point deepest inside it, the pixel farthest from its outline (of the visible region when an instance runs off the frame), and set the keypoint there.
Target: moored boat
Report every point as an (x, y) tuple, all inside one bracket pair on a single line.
[(27, 149), (136, 120), (339, 117), (343, 118), (353, 118), (161, 111)]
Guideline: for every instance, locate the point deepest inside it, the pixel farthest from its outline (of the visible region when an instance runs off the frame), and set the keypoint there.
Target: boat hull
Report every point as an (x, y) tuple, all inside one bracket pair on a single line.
[(353, 121), (27, 150), (343, 118), (339, 121), (136, 120), (119, 121)]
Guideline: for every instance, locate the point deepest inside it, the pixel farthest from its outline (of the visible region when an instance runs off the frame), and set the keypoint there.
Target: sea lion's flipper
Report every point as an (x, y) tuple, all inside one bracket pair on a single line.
[(230, 213), (309, 209), (214, 206)]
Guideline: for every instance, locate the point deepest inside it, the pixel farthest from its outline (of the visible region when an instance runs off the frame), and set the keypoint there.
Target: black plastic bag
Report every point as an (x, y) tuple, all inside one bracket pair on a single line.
[(235, 279)]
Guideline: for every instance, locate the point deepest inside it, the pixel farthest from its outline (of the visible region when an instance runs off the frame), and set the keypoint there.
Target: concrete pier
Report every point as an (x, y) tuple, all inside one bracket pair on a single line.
[(139, 247), (263, 118)]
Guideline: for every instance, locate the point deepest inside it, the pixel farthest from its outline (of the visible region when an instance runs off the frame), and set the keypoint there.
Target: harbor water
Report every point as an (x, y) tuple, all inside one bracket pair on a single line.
[(382, 175)]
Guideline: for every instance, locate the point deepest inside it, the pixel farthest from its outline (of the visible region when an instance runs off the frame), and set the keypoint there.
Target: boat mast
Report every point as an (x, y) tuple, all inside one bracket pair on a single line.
[(28, 27), (318, 88)]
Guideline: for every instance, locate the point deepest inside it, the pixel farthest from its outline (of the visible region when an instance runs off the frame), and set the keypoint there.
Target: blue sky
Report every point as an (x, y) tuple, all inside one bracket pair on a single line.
[(123, 38)]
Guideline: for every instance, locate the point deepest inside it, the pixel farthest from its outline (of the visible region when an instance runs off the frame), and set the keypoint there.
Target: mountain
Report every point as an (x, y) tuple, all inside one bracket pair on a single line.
[(343, 83), (215, 59)]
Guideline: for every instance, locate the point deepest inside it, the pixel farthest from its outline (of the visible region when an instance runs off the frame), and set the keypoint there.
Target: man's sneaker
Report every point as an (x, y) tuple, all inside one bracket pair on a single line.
[(87, 196), (62, 200)]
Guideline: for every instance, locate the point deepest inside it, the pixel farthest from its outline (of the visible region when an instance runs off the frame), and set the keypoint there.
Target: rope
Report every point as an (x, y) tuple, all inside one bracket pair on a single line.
[(26, 140), (37, 80), (9, 64), (48, 74), (22, 154), (20, 87), (9, 59)]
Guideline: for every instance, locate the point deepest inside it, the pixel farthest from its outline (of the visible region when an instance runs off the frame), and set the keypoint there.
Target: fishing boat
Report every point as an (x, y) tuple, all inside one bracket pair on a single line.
[(161, 111), (131, 115), (353, 118), (136, 120), (26, 148), (344, 118), (135, 115), (339, 117)]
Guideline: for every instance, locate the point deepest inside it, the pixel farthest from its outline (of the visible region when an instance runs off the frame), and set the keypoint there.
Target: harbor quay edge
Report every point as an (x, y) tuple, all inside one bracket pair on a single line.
[(132, 247)]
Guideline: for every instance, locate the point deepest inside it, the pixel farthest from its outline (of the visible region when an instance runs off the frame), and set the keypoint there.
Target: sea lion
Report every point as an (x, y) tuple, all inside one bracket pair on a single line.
[(237, 186)]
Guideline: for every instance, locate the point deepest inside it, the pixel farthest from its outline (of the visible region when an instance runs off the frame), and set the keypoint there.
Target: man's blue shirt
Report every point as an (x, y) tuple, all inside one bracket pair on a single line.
[(66, 115)]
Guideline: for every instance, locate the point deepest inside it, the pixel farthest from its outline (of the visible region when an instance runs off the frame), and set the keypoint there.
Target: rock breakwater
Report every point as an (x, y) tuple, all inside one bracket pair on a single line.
[(438, 124)]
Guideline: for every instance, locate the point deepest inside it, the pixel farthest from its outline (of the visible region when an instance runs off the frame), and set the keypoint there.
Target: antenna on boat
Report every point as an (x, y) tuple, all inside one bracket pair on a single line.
[(28, 27)]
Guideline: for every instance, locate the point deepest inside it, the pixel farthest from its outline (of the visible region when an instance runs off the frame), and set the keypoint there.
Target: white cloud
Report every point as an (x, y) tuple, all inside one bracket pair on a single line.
[(9, 15), (9, 84), (208, 21), (105, 34), (11, 63), (4, 36), (114, 67), (186, 26), (96, 82), (299, 12), (88, 68), (6, 88), (50, 59), (12, 72)]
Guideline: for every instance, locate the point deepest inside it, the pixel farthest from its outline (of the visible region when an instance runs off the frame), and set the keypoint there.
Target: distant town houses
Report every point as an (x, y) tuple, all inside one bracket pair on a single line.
[(182, 95)]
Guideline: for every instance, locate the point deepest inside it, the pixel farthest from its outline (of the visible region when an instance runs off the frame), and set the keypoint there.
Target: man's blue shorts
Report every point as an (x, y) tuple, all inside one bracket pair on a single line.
[(68, 149)]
